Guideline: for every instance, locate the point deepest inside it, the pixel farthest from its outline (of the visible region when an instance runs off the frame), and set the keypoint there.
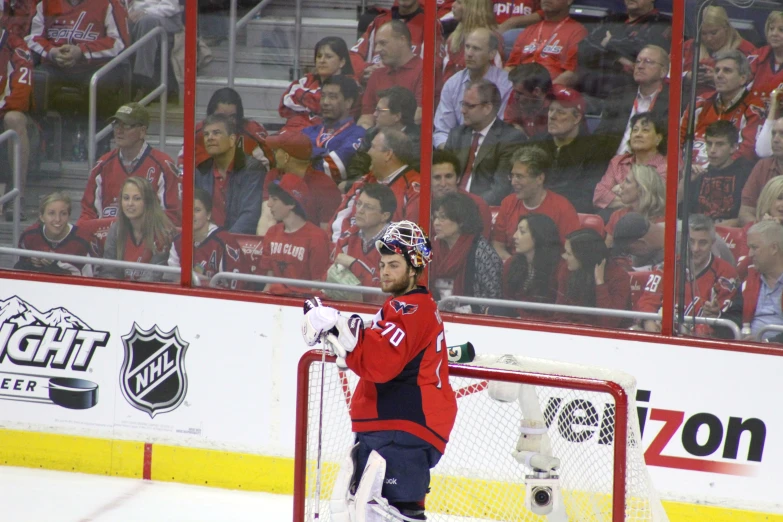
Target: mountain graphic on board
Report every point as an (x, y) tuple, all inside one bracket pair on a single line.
[(16, 311)]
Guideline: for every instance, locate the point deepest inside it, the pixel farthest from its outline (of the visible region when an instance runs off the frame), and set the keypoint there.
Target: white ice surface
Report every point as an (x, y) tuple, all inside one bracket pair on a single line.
[(35, 495)]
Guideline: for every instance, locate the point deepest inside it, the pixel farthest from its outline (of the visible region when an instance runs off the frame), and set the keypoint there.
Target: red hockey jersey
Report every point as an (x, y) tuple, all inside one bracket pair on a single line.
[(551, 44), (75, 243), (765, 77), (719, 280), (98, 27), (367, 256), (364, 52), (219, 252), (403, 370), (747, 114), (512, 209), (251, 139), (101, 197), (303, 254), (16, 74), (405, 185)]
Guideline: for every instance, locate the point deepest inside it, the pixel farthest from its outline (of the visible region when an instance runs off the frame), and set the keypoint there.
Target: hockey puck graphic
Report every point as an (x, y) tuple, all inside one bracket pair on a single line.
[(74, 394)]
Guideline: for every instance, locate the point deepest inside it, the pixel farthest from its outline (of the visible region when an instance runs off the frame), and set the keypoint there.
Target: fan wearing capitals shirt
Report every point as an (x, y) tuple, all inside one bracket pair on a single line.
[(336, 140), (73, 39), (214, 249), (403, 408), (552, 42), (132, 157), (294, 248)]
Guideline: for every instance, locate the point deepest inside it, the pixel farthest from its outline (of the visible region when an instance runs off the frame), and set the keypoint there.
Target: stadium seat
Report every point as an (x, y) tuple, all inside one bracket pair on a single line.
[(638, 280), (592, 221), (735, 240)]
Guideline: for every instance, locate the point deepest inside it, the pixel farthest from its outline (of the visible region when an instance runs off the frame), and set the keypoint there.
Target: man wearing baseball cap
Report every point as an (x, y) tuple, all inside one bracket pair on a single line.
[(579, 158), (292, 151), (132, 157), (293, 247)]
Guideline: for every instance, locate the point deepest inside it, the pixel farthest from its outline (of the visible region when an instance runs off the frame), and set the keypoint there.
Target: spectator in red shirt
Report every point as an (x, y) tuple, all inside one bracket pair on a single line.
[(765, 170), (642, 192), (552, 42), (731, 102), (513, 16), (401, 67), (301, 103), (590, 278), (251, 134), (531, 273), (717, 35), (53, 233), (294, 248), (293, 152), (767, 71), (141, 234), (647, 139), (235, 181), (132, 157), (214, 249), (366, 54), (528, 107), (464, 263), (445, 180), (528, 177), (355, 249), (16, 62)]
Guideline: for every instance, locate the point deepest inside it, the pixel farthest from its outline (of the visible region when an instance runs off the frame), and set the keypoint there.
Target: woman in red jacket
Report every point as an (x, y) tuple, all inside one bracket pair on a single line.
[(531, 273), (301, 103), (591, 279)]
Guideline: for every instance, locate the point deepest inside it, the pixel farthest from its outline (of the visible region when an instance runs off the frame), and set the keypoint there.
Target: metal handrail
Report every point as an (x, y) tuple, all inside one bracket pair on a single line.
[(98, 261), (606, 312), (237, 26), (769, 328), (161, 90), (321, 285), (16, 192)]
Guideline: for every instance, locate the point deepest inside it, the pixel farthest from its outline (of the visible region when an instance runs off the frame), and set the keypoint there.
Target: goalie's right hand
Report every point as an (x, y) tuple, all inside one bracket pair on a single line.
[(349, 332), (316, 322)]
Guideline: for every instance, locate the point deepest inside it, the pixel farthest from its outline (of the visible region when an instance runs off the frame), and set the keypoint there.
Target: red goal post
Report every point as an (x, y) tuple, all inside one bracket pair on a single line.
[(605, 482)]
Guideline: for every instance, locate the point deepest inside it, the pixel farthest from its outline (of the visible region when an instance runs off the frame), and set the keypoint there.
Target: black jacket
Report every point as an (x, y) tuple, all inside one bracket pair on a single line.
[(245, 191), (617, 112)]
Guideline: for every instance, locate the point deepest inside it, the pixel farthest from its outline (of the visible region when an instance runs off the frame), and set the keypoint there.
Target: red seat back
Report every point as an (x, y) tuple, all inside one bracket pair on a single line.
[(592, 221), (735, 239)]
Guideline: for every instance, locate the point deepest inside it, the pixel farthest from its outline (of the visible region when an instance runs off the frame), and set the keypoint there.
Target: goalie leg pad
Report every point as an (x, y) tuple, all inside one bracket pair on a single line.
[(370, 487), (341, 503)]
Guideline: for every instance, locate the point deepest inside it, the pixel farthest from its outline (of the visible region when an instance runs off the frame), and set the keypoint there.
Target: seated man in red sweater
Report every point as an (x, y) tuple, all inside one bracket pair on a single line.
[(294, 248), (528, 175), (355, 250)]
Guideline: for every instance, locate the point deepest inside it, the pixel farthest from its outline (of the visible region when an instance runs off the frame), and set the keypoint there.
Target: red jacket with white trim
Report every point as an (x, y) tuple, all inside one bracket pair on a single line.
[(16, 74)]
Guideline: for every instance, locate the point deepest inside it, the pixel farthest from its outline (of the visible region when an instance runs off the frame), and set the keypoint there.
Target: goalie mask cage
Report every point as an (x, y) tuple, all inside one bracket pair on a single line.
[(602, 477)]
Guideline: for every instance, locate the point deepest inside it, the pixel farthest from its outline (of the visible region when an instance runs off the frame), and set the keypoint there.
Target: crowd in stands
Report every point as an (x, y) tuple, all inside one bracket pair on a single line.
[(548, 175)]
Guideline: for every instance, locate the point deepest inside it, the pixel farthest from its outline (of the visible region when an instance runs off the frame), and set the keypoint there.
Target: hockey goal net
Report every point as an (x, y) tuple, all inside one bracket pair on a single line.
[(602, 476)]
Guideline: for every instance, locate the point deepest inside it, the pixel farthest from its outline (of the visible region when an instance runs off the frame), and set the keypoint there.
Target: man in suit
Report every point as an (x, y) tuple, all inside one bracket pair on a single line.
[(651, 95), (484, 144)]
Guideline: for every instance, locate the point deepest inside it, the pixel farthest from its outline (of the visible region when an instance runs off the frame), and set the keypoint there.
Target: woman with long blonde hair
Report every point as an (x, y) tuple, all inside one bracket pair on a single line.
[(643, 192), (717, 35), (141, 234), (471, 15)]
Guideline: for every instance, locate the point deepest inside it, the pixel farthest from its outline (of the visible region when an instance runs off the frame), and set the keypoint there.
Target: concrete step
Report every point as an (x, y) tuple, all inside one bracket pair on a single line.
[(260, 96), (278, 32), (258, 63), (336, 8)]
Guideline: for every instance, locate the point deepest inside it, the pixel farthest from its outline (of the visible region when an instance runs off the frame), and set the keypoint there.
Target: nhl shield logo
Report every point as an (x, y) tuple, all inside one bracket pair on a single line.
[(153, 377)]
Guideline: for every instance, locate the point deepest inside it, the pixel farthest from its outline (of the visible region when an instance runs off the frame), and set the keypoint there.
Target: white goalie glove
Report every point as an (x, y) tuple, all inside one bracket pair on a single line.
[(317, 321), (348, 333)]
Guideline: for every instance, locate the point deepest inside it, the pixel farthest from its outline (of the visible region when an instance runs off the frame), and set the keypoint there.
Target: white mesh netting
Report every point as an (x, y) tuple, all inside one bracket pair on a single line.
[(478, 479)]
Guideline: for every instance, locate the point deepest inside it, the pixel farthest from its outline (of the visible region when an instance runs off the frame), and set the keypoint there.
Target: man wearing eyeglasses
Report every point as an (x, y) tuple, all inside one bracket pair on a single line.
[(132, 157), (606, 56), (650, 95)]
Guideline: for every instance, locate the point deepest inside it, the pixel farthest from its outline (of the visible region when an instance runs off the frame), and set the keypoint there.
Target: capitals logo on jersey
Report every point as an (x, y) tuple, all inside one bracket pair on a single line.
[(73, 32), (405, 308)]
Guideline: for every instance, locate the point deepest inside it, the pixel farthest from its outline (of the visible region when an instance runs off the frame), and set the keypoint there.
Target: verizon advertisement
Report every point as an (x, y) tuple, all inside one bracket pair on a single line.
[(221, 374)]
